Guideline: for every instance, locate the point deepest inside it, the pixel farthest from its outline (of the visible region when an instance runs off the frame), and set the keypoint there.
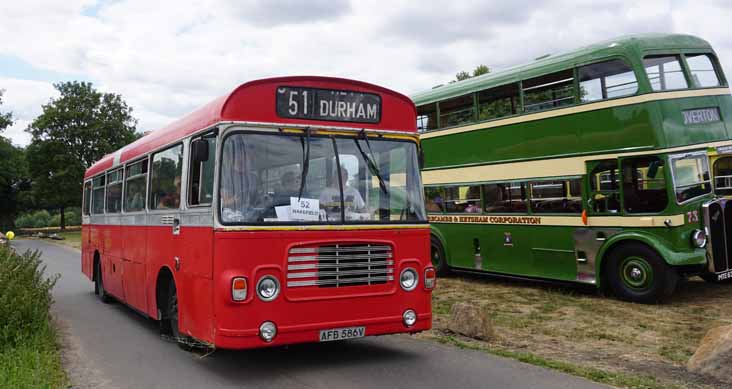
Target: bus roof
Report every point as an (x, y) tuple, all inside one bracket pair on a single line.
[(254, 101), (628, 46)]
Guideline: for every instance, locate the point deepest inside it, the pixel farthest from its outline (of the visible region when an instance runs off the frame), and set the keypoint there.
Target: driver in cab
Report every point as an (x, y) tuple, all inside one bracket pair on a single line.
[(330, 198)]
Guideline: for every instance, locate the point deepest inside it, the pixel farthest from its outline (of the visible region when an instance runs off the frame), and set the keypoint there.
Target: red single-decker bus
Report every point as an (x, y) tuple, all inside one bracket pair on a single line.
[(289, 210)]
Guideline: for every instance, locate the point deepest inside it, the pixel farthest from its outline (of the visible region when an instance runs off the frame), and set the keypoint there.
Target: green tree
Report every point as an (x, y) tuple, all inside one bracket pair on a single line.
[(12, 173), (478, 71), (72, 132)]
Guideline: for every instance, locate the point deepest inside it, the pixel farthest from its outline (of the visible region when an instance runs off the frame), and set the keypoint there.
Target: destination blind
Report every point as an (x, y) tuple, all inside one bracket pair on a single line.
[(328, 104)]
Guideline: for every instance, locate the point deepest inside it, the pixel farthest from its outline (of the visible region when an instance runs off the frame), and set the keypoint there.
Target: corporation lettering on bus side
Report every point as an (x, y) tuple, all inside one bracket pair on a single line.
[(486, 219)]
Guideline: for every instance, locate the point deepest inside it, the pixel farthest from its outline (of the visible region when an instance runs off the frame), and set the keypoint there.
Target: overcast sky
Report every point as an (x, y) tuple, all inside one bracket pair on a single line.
[(167, 58)]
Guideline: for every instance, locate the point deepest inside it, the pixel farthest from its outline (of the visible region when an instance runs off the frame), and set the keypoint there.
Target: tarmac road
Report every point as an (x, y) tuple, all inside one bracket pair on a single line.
[(113, 346)]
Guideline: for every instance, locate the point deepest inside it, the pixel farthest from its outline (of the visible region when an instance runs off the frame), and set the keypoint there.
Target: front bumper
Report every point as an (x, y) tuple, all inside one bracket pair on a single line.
[(310, 333)]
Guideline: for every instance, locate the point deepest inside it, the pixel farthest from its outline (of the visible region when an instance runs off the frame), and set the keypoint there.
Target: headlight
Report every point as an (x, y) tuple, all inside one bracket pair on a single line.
[(409, 317), (268, 288), (698, 238), (408, 279), (267, 331)]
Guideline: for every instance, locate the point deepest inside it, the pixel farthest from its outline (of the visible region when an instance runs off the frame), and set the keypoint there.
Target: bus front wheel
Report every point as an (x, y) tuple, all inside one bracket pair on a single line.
[(635, 272), (438, 257)]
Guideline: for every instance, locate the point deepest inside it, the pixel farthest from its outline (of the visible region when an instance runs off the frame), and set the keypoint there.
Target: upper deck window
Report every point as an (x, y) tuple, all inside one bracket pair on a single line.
[(427, 117), (606, 80), (702, 70), (456, 111), (549, 91), (498, 102), (665, 72)]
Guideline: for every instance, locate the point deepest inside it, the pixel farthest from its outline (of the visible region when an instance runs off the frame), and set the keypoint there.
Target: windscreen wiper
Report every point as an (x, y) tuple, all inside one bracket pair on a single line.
[(369, 161), (305, 161)]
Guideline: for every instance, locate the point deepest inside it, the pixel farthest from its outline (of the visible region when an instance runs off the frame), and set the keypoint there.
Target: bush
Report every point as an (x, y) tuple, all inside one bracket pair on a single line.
[(25, 296), (41, 219), (29, 355)]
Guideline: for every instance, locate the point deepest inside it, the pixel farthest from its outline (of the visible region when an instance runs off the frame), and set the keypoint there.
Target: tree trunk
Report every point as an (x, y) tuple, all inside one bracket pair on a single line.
[(63, 219)]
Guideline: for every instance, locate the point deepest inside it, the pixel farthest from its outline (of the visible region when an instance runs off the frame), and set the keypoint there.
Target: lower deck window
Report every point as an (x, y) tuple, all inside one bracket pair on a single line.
[(644, 185)]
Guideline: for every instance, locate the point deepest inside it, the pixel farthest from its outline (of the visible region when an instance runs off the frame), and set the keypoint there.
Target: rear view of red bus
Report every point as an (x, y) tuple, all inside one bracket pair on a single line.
[(290, 210)]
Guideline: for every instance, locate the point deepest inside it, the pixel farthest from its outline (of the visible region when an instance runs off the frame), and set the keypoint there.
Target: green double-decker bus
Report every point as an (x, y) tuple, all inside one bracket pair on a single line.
[(591, 166)]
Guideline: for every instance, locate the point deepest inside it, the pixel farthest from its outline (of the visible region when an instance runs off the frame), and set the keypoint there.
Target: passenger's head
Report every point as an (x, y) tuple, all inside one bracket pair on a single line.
[(290, 181)]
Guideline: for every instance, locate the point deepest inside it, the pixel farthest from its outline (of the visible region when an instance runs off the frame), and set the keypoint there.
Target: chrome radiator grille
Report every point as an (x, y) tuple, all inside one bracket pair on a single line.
[(339, 265)]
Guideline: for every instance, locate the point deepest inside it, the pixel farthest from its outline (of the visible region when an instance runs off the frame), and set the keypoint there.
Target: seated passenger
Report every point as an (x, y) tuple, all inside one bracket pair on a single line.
[(171, 199), (289, 187)]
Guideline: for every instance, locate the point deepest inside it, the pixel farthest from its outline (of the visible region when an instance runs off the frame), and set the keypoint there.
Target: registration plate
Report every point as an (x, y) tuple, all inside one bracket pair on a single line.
[(342, 333), (724, 275)]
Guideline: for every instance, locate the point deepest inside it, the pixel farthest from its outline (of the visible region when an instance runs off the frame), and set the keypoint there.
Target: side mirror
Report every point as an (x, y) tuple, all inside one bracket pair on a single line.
[(199, 151)]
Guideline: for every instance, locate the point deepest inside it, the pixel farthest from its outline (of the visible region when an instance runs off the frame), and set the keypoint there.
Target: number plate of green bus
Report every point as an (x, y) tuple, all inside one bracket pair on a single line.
[(342, 333)]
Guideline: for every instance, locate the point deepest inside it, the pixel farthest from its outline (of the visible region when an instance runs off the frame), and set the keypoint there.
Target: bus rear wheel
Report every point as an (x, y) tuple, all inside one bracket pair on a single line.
[(637, 273), (99, 285), (437, 252)]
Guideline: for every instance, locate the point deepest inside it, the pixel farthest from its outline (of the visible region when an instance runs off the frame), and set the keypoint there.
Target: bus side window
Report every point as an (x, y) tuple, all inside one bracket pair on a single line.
[(498, 102), (457, 111), (87, 197), (202, 175), (606, 80), (462, 199), (644, 185), (135, 186), (505, 197), (434, 201), (556, 196), (604, 188), (167, 167), (98, 195), (427, 117), (665, 72), (549, 91), (702, 70), (114, 191)]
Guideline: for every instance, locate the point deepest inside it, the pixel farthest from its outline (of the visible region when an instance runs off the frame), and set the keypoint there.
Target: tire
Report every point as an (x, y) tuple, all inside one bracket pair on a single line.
[(99, 285), (171, 320), (437, 253), (636, 273)]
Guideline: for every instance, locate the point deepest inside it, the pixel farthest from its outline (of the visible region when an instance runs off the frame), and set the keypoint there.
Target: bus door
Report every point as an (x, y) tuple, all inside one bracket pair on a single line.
[(602, 186), (195, 249)]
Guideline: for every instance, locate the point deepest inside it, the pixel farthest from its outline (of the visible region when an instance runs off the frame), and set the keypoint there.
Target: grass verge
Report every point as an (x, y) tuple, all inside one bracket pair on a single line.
[(29, 353), (577, 331)]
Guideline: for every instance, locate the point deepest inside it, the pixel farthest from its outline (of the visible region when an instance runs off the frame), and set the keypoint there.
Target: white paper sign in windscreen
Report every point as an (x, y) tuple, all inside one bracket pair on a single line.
[(304, 209)]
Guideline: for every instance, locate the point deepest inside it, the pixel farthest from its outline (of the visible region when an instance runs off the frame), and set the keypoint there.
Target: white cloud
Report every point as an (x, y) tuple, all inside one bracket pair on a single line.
[(24, 99), (167, 58)]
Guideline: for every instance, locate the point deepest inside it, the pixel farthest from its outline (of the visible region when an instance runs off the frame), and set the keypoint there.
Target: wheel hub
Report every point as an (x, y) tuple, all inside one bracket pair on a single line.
[(636, 273)]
